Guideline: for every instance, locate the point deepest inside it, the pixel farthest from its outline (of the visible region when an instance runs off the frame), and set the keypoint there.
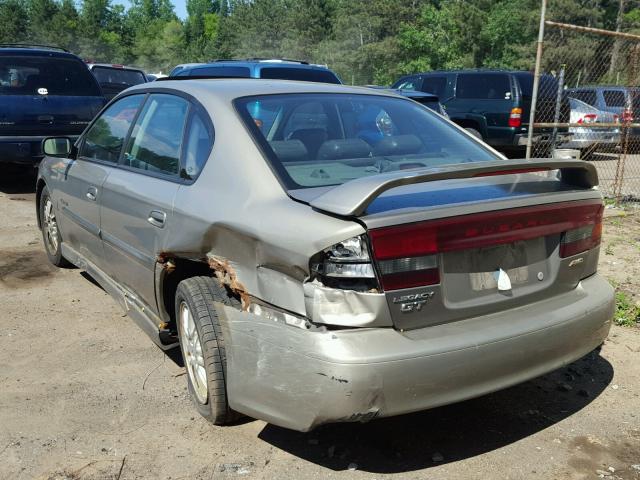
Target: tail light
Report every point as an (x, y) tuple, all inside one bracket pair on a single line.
[(407, 254), (627, 116), (581, 239), (346, 265), (588, 118), (515, 118)]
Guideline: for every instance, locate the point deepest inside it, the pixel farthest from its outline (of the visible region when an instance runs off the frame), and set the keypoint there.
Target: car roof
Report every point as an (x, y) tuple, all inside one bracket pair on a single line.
[(232, 88), (36, 52), (274, 62), (114, 66)]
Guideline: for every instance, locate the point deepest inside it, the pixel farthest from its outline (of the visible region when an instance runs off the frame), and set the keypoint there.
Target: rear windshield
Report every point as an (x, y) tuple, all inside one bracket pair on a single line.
[(548, 85), (118, 76), (614, 98), (316, 140), (586, 96), (46, 76), (301, 74), (230, 72)]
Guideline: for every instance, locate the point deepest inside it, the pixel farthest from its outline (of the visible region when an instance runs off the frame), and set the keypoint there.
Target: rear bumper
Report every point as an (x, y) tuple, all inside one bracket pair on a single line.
[(300, 379), (23, 149), (603, 139)]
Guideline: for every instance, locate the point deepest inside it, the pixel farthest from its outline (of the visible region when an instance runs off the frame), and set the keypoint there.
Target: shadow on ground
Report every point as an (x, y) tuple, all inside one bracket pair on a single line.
[(455, 432), (18, 180)]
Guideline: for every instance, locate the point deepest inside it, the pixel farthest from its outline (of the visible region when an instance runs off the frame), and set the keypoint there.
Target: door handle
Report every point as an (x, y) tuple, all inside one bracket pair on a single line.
[(157, 218), (92, 193)]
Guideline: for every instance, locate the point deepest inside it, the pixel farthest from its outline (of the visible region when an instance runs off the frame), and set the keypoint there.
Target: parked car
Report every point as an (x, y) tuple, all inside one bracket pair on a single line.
[(269, 68), (114, 78), (592, 105), (494, 104), (357, 256), (183, 66), (44, 91)]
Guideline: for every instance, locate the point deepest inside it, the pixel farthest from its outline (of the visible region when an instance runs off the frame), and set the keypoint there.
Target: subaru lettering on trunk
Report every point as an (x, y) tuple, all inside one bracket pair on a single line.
[(323, 253)]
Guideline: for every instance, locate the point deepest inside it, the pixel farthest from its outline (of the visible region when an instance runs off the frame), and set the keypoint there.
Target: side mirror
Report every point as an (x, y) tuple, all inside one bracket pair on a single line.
[(57, 146)]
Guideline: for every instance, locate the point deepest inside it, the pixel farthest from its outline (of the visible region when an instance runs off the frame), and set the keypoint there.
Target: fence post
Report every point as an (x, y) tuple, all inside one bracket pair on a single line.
[(536, 79), (556, 115)]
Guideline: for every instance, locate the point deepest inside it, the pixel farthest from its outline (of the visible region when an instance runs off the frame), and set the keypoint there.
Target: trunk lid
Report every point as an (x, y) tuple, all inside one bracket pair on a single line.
[(466, 247)]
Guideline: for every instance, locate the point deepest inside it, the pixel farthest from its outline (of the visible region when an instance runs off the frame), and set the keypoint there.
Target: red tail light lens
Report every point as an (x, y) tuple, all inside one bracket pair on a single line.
[(581, 239), (627, 116), (588, 118), (515, 117), (482, 230)]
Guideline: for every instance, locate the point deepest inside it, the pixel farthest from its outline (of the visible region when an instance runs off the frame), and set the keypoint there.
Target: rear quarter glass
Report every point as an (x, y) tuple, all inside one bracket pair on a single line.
[(313, 140)]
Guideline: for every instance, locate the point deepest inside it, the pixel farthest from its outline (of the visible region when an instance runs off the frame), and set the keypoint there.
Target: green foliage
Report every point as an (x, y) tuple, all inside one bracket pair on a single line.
[(627, 313), (364, 41)]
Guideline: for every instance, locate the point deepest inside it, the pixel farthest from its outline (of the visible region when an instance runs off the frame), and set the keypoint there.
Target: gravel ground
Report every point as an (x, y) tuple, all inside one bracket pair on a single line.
[(85, 395)]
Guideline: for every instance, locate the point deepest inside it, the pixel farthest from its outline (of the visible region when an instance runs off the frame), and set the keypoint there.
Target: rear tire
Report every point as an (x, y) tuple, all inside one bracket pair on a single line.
[(202, 346), (50, 229)]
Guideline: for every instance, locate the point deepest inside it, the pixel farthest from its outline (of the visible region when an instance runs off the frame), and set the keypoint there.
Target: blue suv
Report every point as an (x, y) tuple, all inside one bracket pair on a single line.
[(44, 92), (280, 69)]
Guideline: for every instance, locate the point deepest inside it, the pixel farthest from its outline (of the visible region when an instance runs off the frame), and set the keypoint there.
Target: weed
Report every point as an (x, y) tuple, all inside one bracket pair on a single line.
[(609, 250), (627, 313)]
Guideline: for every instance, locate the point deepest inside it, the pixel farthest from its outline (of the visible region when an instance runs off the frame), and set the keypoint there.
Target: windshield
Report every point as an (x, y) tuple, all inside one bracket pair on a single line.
[(317, 140), (31, 75), (118, 76)]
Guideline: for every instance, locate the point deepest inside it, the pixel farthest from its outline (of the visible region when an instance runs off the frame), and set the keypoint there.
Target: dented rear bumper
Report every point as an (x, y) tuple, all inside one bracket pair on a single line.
[(300, 379)]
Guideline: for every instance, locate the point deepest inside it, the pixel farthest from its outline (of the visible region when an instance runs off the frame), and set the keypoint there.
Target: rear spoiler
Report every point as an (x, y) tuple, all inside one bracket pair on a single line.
[(352, 198)]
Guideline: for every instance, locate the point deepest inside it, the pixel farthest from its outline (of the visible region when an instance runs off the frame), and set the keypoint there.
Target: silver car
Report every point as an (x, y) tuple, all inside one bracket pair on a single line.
[(324, 253)]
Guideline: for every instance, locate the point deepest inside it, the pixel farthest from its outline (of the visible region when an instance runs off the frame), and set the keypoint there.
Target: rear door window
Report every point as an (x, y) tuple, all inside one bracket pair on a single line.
[(435, 85), (614, 98), (156, 139), (483, 86), (32, 75), (105, 137), (586, 96)]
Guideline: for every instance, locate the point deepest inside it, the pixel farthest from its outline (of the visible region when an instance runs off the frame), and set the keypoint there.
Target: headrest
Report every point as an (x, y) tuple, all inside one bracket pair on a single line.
[(341, 149), (397, 145), (289, 150)]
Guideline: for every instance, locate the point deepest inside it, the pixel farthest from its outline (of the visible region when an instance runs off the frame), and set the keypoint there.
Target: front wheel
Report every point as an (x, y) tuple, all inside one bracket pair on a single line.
[(51, 231), (202, 347)]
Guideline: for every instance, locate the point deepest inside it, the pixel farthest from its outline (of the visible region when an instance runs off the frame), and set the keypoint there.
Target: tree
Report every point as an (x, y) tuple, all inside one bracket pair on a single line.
[(13, 21)]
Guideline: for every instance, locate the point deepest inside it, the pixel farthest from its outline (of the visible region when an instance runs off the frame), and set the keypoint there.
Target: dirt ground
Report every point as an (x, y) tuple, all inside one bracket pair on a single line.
[(85, 395)]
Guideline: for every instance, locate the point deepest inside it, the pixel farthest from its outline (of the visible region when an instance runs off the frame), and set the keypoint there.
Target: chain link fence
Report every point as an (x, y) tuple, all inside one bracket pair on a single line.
[(588, 103)]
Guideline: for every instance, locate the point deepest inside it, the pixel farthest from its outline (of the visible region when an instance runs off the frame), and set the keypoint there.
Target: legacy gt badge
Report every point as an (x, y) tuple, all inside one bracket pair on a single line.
[(43, 91), (413, 302)]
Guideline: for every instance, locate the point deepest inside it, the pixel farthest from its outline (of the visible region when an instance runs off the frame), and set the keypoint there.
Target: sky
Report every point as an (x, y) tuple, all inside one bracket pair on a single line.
[(180, 6)]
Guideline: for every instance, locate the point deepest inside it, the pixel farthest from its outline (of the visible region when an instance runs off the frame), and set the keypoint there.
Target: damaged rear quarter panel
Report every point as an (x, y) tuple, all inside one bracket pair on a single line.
[(237, 212)]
